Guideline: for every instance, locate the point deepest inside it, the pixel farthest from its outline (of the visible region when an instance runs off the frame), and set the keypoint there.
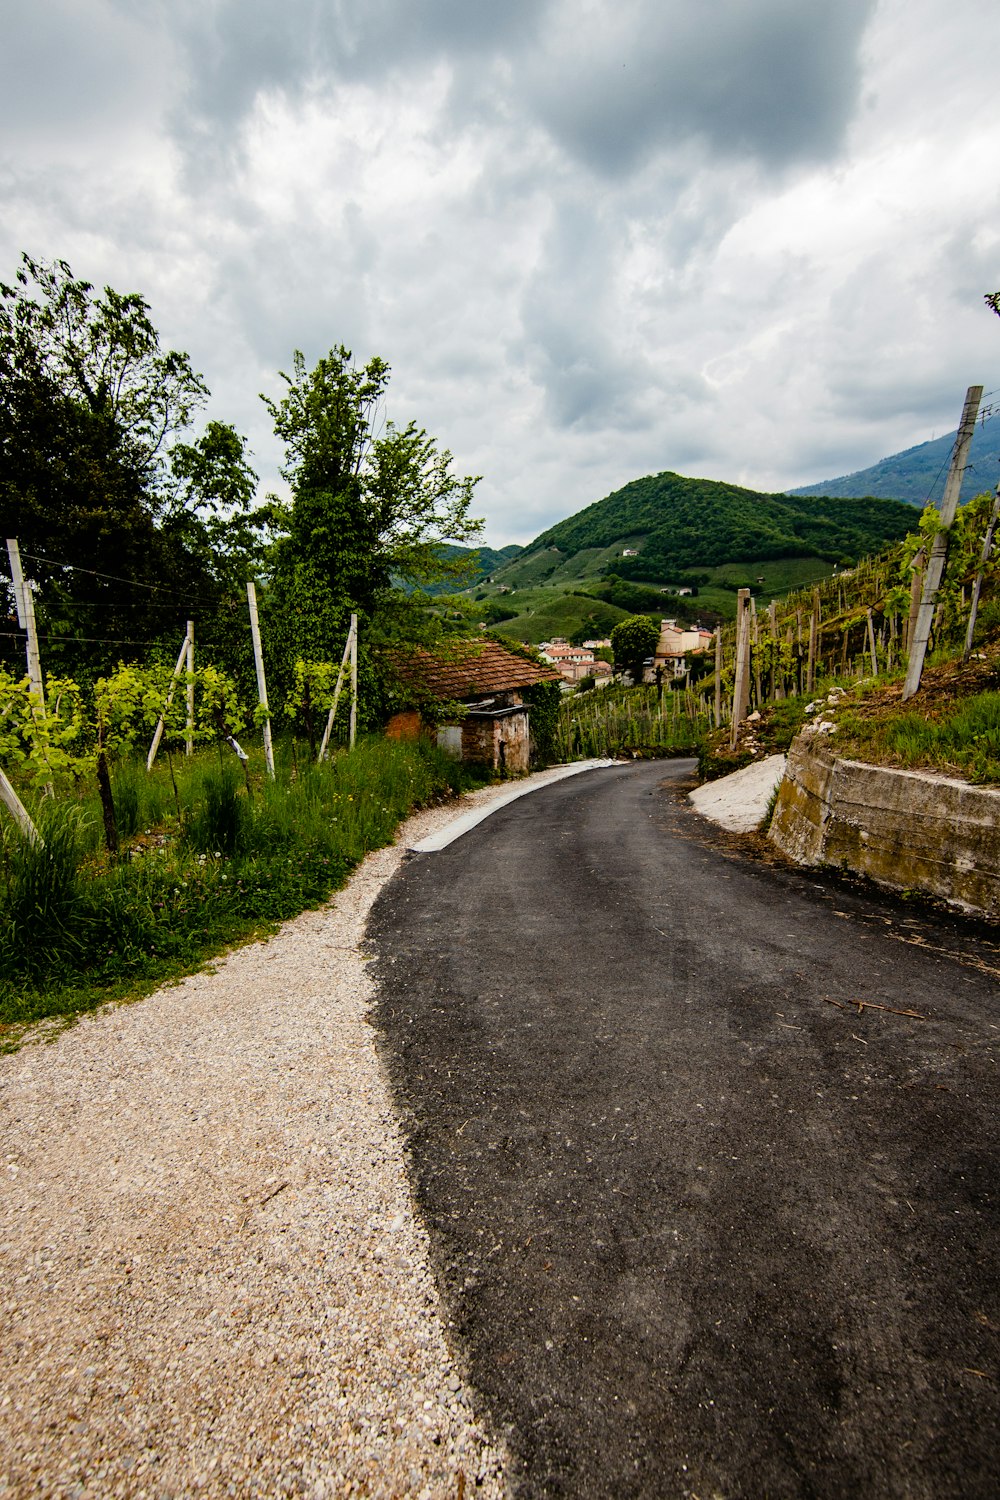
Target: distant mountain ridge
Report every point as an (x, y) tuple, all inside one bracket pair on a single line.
[(917, 475)]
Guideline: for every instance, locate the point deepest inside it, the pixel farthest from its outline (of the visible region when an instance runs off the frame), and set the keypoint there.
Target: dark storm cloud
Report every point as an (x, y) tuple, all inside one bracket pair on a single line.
[(776, 80), (236, 48)]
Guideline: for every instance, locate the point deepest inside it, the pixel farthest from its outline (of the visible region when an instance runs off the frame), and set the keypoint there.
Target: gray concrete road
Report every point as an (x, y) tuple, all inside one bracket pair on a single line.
[(704, 1227)]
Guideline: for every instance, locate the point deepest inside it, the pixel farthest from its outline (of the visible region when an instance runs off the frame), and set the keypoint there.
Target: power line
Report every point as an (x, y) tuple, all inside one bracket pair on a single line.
[(134, 583)]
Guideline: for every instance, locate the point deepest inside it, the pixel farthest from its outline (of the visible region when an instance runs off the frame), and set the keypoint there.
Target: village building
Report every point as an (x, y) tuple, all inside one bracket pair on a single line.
[(674, 648), (574, 662), (492, 726)]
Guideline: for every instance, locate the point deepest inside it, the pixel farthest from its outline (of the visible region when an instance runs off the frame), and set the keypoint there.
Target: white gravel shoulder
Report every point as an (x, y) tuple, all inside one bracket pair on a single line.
[(739, 801), (212, 1279)]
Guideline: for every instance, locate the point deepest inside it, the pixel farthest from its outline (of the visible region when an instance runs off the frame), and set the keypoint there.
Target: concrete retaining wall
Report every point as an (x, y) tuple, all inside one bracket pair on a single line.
[(907, 829)]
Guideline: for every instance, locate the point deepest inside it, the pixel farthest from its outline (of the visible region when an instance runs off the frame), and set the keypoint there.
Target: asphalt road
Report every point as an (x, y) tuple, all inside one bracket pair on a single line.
[(704, 1227)]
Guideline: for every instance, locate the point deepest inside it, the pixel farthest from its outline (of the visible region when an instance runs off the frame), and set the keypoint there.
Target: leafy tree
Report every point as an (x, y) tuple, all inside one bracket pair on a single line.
[(632, 641), (96, 470), (372, 506)]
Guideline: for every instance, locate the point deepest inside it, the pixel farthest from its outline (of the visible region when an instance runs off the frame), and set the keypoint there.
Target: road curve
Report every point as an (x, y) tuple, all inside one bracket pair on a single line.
[(704, 1227)]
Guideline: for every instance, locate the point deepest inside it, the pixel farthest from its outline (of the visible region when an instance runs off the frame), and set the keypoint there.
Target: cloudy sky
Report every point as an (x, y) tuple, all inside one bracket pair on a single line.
[(594, 239)]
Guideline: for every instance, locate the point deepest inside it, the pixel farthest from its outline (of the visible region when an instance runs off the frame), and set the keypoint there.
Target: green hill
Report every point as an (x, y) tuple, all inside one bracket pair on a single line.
[(676, 524), (575, 579), (918, 474)]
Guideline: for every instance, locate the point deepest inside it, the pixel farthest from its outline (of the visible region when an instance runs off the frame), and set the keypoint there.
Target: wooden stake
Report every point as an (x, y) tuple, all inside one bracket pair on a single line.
[(158, 734), (336, 691), (871, 643), (258, 661), (983, 560), (741, 687), (811, 665), (718, 676), (354, 680), (189, 746), (939, 549), (14, 804)]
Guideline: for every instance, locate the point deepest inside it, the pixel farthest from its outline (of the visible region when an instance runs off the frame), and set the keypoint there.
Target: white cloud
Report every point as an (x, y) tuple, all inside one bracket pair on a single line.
[(593, 241)]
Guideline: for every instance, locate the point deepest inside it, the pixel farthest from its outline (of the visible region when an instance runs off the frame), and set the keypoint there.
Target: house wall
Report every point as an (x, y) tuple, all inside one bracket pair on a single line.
[(404, 726), (501, 743)]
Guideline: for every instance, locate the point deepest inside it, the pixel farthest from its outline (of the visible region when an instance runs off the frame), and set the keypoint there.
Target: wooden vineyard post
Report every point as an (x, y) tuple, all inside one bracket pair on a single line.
[(871, 642), (755, 654), (354, 681), (189, 737), (258, 661), (350, 655), (158, 733), (741, 687), (939, 549), (24, 603), (13, 803), (983, 560), (718, 676)]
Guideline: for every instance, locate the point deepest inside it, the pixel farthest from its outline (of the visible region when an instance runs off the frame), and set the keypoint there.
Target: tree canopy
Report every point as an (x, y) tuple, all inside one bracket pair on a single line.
[(632, 641), (121, 515), (373, 507)]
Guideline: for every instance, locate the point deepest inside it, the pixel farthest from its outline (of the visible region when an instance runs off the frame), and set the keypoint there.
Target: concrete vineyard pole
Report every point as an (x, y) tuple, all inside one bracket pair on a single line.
[(983, 560), (939, 550), (258, 661)]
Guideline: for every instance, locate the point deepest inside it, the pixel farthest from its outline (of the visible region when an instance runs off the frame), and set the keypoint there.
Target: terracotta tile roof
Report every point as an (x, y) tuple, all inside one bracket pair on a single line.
[(486, 668)]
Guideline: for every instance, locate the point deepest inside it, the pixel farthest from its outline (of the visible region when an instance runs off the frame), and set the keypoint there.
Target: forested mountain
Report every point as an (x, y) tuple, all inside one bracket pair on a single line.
[(918, 474), (675, 523)]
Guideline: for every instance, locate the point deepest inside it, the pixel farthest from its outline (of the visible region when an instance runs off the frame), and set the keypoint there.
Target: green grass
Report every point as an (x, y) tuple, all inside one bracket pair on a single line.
[(77, 928), (545, 613), (965, 740)]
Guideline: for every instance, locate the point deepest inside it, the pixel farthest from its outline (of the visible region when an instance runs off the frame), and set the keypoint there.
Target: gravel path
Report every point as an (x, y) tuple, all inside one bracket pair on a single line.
[(212, 1281)]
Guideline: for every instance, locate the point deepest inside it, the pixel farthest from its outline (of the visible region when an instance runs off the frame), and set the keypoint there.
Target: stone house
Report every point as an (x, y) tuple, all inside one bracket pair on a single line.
[(488, 681)]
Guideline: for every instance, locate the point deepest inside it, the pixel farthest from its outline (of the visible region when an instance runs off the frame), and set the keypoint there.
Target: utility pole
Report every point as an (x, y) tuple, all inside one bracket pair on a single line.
[(939, 550)]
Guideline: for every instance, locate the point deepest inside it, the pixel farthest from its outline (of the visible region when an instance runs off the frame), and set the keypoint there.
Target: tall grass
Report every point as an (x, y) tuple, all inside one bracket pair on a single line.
[(76, 926), (965, 739)]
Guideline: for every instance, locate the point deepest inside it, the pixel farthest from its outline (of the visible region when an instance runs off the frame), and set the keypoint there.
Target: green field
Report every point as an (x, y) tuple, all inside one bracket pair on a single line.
[(551, 597)]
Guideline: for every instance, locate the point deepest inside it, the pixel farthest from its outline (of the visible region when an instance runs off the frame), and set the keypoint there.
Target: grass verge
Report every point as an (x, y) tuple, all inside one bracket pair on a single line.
[(214, 867)]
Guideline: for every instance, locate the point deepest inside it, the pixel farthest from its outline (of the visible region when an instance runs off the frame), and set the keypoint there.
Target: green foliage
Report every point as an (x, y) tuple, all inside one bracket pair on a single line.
[(544, 700), (76, 929), (965, 739), (371, 514), (632, 641), (96, 470), (690, 523), (638, 721)]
